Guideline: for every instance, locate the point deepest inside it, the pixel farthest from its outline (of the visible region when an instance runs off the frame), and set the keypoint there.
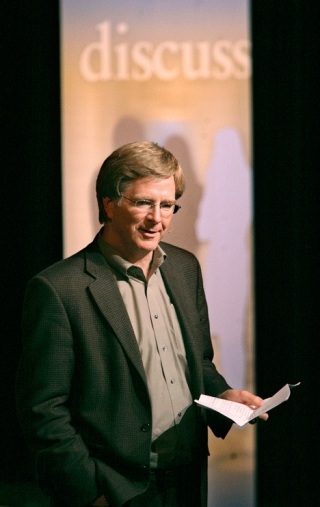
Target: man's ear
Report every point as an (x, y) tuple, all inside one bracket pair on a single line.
[(108, 204)]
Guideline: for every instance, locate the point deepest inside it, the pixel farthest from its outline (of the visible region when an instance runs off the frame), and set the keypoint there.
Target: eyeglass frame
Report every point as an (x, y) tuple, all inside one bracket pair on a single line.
[(152, 204)]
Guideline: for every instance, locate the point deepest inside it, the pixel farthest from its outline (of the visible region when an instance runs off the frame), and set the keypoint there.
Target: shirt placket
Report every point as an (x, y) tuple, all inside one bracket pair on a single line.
[(163, 342)]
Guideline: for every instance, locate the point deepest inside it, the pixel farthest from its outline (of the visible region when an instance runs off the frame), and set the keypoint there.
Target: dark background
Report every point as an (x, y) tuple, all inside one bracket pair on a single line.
[(285, 91)]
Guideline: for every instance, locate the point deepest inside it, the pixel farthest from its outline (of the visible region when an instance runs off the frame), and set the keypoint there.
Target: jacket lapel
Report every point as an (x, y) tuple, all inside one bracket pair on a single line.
[(188, 319), (106, 294)]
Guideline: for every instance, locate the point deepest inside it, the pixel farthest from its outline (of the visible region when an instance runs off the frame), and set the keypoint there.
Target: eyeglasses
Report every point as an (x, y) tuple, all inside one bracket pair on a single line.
[(145, 205)]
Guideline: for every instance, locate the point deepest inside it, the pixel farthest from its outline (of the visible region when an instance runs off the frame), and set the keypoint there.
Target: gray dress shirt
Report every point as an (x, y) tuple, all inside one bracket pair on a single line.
[(160, 341)]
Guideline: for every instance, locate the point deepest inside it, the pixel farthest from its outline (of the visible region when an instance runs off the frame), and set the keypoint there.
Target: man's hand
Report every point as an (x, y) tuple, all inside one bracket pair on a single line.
[(245, 397)]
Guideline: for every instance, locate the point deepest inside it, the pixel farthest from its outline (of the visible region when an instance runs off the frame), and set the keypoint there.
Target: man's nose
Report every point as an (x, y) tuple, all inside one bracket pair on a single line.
[(155, 212)]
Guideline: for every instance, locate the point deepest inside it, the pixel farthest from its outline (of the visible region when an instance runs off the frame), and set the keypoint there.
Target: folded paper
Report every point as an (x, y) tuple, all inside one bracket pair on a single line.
[(242, 414)]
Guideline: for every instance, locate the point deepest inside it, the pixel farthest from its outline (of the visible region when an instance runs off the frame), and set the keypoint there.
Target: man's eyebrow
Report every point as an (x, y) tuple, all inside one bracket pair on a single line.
[(142, 198)]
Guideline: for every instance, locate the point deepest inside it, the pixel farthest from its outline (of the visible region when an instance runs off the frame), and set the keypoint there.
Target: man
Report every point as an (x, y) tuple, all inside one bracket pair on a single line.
[(116, 347)]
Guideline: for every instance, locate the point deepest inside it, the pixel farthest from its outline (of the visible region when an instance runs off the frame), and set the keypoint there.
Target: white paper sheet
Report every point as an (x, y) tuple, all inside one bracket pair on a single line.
[(242, 414)]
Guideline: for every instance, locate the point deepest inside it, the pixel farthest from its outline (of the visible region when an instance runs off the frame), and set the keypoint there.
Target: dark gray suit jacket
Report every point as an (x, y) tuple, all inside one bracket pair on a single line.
[(82, 394)]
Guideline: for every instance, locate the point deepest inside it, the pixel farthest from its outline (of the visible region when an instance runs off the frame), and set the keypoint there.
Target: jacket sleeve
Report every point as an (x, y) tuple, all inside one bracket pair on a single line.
[(214, 382), (44, 378)]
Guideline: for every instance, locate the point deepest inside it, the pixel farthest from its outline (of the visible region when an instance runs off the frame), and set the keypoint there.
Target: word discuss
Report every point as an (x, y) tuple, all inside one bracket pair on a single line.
[(168, 60)]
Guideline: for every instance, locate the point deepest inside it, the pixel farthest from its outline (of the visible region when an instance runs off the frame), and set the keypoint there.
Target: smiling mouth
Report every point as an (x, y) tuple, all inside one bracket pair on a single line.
[(148, 231)]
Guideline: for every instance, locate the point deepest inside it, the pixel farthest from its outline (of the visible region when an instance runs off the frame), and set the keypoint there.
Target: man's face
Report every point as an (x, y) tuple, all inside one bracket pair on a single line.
[(135, 233)]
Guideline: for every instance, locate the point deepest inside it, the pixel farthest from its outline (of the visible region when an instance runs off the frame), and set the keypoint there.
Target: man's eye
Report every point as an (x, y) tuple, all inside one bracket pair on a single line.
[(143, 203), (166, 205)]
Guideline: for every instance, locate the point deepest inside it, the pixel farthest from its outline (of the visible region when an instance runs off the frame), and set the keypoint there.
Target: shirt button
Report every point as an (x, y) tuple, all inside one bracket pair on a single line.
[(179, 414), (156, 316), (172, 381), (164, 349)]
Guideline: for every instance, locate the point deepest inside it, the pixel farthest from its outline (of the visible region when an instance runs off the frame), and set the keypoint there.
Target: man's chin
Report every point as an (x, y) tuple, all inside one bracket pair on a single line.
[(148, 245)]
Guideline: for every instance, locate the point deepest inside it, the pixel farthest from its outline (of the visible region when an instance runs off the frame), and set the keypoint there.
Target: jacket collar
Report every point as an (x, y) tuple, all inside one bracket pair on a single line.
[(106, 294)]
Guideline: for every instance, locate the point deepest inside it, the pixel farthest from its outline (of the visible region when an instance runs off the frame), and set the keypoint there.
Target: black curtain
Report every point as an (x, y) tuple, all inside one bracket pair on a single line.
[(285, 147), (286, 111), (31, 221)]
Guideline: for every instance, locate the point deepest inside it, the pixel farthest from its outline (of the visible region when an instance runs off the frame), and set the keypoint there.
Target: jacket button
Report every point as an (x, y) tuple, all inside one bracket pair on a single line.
[(146, 427)]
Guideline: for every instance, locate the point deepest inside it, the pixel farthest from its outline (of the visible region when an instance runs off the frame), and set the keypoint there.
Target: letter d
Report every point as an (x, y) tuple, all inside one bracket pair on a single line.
[(102, 48)]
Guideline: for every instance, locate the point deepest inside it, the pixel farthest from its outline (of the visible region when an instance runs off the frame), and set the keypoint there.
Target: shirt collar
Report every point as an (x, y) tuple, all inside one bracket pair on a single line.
[(113, 257)]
